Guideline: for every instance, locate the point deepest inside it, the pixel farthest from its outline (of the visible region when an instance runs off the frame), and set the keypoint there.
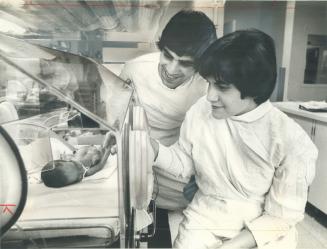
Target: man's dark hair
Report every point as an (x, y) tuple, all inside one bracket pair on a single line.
[(188, 33), (244, 58)]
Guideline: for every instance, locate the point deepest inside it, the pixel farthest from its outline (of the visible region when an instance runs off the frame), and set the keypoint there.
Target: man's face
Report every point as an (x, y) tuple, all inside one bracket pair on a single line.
[(174, 70), (225, 100)]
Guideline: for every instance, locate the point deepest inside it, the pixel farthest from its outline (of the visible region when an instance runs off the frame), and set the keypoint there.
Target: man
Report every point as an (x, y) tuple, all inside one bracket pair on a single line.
[(167, 85)]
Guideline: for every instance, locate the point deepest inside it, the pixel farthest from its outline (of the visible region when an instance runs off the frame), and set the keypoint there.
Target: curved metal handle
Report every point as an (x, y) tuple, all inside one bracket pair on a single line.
[(144, 237)]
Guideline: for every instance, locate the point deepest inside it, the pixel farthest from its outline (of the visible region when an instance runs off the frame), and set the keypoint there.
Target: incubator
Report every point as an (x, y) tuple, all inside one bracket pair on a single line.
[(54, 105)]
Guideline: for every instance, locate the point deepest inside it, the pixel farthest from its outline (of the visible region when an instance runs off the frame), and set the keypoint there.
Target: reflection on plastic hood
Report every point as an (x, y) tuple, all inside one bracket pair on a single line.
[(39, 80)]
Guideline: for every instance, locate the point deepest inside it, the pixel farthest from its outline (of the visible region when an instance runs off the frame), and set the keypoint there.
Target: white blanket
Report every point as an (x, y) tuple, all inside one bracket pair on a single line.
[(95, 196), (92, 202)]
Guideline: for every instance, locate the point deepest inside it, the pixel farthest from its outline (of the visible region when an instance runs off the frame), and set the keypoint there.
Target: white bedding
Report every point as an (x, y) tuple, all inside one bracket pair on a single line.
[(91, 202), (95, 196)]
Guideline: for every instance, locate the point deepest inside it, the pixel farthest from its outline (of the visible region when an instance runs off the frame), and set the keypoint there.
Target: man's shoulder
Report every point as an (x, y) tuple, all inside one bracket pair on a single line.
[(200, 108), (141, 65), (146, 58), (200, 85)]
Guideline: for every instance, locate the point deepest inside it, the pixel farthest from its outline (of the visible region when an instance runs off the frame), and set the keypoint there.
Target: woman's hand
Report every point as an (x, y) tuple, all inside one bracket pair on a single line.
[(228, 246), (244, 240)]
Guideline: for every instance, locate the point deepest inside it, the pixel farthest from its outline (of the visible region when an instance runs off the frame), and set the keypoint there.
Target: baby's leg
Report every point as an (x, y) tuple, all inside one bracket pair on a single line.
[(192, 236)]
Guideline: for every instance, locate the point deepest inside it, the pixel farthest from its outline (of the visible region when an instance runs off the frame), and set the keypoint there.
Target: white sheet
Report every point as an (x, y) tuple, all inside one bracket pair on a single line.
[(95, 196), (91, 202)]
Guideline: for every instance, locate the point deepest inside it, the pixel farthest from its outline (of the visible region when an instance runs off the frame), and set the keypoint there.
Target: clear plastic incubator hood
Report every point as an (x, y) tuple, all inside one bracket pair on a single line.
[(60, 115)]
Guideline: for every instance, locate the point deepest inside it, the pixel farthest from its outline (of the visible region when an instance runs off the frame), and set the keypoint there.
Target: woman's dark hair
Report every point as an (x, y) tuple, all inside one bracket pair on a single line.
[(246, 59), (188, 33)]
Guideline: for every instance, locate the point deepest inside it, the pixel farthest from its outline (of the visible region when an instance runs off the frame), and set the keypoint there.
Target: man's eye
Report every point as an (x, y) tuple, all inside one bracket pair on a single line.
[(187, 63)]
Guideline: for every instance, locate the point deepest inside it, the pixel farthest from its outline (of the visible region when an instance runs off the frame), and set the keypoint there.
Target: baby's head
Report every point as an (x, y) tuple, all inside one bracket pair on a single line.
[(241, 70), (60, 173)]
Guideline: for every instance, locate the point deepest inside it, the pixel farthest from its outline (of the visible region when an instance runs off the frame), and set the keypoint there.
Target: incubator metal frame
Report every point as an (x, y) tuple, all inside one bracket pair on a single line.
[(122, 124)]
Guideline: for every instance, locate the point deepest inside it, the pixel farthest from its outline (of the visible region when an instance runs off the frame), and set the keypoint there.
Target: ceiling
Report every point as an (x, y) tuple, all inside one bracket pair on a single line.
[(48, 17)]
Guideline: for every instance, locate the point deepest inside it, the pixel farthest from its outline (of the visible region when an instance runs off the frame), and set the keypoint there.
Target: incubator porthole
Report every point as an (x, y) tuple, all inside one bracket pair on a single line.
[(13, 182)]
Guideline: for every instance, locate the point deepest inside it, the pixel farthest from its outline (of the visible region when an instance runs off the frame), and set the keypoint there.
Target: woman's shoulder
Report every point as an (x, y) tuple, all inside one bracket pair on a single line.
[(288, 130), (283, 122)]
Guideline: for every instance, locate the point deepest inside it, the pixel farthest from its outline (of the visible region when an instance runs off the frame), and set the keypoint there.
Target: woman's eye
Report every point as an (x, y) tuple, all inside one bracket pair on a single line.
[(168, 56), (223, 87)]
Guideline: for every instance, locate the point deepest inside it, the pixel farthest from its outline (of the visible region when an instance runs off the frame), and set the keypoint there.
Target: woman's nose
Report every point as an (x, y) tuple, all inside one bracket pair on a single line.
[(212, 94)]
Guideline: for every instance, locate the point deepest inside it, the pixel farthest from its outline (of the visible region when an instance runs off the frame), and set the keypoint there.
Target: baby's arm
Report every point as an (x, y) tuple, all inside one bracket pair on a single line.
[(107, 146)]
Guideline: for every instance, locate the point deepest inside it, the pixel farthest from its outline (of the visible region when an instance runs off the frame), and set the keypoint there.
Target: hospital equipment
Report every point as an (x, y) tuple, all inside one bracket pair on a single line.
[(71, 101)]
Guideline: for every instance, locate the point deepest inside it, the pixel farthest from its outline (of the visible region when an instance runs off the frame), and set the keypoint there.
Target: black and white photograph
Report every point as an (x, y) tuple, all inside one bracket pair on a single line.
[(195, 124)]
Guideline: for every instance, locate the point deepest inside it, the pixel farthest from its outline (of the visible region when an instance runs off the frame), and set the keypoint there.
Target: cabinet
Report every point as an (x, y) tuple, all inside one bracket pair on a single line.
[(319, 185), (317, 130)]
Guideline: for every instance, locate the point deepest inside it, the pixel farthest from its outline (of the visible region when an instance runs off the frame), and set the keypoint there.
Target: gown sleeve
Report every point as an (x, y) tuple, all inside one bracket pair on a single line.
[(285, 202), (177, 159)]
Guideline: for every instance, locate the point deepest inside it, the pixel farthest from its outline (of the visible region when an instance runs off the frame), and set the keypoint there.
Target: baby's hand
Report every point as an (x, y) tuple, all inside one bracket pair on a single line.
[(88, 156), (110, 143)]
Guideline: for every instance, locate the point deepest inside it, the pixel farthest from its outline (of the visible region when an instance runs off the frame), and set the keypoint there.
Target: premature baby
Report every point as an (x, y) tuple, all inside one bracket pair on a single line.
[(72, 168)]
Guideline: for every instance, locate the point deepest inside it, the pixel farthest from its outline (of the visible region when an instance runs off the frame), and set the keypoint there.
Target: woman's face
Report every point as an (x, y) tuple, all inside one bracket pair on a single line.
[(225, 100)]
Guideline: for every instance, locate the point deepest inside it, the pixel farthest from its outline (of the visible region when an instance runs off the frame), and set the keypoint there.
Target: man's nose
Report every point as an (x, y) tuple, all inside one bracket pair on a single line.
[(172, 67)]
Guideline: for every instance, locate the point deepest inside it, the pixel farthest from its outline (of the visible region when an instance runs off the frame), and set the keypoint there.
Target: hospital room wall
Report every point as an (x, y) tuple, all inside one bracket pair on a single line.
[(310, 18), (266, 16), (130, 45)]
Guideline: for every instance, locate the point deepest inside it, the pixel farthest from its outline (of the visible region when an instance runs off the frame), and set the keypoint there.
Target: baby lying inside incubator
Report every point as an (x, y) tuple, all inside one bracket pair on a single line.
[(72, 168)]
